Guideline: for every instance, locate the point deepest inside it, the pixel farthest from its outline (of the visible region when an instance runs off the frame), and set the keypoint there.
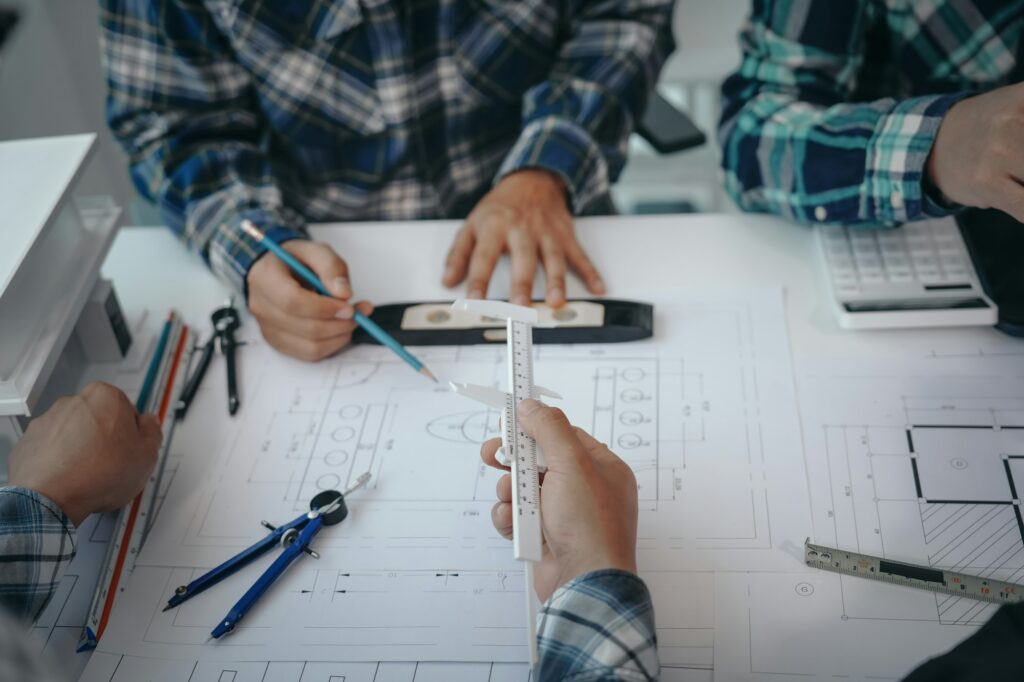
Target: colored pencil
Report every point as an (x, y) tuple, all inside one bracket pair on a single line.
[(371, 327)]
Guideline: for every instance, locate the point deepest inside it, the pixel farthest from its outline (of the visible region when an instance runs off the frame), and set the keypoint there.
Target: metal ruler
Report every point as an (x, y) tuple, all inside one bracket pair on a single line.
[(912, 575), (527, 538), (132, 521)]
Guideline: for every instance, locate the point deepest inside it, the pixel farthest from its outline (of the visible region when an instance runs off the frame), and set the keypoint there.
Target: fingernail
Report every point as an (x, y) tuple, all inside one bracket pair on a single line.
[(521, 300), (341, 287), (449, 273), (475, 293), (556, 294), (344, 313), (528, 407), (599, 286)]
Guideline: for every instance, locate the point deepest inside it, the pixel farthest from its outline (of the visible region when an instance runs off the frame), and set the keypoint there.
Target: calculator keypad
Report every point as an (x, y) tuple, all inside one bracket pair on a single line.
[(926, 253)]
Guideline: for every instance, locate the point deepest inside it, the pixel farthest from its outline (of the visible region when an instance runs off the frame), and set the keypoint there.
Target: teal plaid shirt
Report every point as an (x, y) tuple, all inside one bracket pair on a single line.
[(835, 107), (284, 111)]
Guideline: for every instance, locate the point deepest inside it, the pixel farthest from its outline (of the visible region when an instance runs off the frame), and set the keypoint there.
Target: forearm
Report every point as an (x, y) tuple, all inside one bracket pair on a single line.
[(598, 627), (795, 140), (186, 115), (577, 122), (858, 164), (37, 543)]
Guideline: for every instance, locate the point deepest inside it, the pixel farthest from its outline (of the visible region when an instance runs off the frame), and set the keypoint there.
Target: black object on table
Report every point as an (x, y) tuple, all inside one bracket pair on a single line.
[(996, 244)]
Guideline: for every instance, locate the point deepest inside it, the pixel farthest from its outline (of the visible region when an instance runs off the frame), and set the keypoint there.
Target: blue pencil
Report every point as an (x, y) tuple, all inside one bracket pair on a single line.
[(154, 364), (371, 327)]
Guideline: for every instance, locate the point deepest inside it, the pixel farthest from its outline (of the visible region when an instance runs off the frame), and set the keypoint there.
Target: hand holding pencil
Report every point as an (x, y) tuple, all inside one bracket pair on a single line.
[(294, 320), (360, 315)]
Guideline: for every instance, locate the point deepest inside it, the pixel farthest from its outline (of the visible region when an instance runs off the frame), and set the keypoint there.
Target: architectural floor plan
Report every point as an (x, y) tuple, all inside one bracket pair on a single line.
[(903, 463), (704, 413)]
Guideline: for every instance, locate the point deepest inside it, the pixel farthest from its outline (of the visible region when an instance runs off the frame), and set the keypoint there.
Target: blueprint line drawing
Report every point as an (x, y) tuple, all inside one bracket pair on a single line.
[(902, 465), (704, 414)]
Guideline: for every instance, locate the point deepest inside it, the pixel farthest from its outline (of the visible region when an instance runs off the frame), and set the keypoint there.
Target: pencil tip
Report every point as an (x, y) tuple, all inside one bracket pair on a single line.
[(428, 374), (252, 230)]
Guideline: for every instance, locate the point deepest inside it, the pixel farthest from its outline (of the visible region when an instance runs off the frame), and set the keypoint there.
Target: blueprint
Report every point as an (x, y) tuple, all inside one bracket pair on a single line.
[(705, 413), (918, 458)]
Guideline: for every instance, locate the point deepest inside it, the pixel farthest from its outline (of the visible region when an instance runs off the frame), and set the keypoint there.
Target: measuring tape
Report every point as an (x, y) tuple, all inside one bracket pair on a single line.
[(911, 575), (133, 521)]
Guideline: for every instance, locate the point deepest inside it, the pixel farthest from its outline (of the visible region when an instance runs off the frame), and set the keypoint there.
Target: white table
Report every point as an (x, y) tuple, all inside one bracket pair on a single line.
[(153, 273)]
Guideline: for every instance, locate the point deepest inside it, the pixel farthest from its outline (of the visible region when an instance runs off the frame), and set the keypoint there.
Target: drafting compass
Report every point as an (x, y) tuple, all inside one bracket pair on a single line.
[(225, 322), (326, 509), (518, 451)]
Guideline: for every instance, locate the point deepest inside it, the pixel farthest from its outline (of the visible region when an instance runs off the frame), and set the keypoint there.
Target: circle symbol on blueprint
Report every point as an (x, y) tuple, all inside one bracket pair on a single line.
[(345, 433), (630, 441), (350, 412), (632, 395), (328, 482), (631, 418), (632, 374), (335, 458), (958, 463), (804, 589)]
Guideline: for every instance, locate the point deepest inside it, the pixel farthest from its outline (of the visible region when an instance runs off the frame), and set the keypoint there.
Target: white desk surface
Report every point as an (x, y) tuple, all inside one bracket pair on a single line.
[(403, 262), (153, 272)]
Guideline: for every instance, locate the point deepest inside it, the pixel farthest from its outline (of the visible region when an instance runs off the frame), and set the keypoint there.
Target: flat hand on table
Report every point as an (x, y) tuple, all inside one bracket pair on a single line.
[(295, 320), (525, 215)]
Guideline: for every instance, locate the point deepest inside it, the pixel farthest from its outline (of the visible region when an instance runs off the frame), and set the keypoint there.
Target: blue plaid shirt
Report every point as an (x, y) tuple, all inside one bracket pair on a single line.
[(285, 111), (598, 627), (835, 107), (37, 543)]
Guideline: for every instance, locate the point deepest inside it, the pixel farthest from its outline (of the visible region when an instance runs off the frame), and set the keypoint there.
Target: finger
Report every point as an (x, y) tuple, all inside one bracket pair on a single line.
[(523, 250), (458, 257), (279, 287), (489, 453), (584, 268), (306, 327), (109, 405), (553, 432), (554, 270), (481, 265), (365, 307), (301, 348), (326, 264), (503, 488), (501, 517), (595, 448)]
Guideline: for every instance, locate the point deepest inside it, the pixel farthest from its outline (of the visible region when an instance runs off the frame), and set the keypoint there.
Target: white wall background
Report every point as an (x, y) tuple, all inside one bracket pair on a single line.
[(51, 83)]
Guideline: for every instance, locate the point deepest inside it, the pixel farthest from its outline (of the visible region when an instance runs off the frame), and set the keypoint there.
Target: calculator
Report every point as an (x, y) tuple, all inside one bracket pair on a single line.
[(918, 275)]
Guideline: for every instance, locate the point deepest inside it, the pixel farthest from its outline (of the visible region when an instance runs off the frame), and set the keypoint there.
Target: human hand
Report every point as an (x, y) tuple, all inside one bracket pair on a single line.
[(295, 320), (88, 453), (588, 500), (524, 214), (978, 155)]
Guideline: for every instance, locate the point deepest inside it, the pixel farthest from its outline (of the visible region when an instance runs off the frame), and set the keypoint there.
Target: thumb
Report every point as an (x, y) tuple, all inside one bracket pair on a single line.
[(326, 264), (554, 434)]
